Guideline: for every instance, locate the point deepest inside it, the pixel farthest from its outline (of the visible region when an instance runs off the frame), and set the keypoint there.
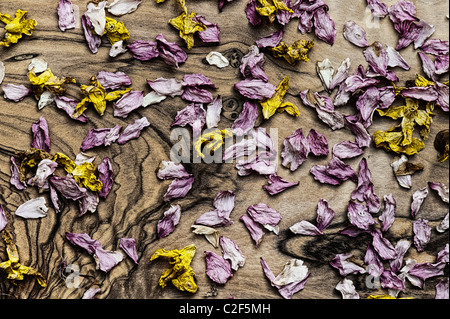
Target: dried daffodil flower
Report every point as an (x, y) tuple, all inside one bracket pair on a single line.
[(298, 51), (97, 95), (16, 26), (46, 81), (181, 274), (214, 140), (116, 31), (187, 26), (399, 139), (13, 268), (271, 10), (275, 103)]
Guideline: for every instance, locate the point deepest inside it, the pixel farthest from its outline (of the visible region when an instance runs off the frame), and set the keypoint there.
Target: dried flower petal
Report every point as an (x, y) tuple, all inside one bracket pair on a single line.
[(379, 9), (121, 7), (100, 136), (195, 115), (170, 52), (359, 216), (169, 170), (143, 50), (2, 71), (14, 92), (178, 188), (252, 64), (133, 130), (41, 138), (187, 26), (34, 208), (252, 15), (171, 218), (294, 53), (347, 149), (265, 215), (66, 18), (270, 41), (113, 81), (217, 59), (418, 198), (16, 27), (220, 216), (211, 234), (305, 228), (277, 184), (324, 107), (105, 175), (347, 289), (45, 168), (275, 102), (217, 268), (382, 246), (442, 289), (335, 173), (67, 187), (246, 119), (256, 231), (127, 103), (441, 189), (232, 252), (324, 26), (388, 215), (255, 89), (212, 32), (171, 87), (346, 267), (355, 34), (422, 234), (365, 189)]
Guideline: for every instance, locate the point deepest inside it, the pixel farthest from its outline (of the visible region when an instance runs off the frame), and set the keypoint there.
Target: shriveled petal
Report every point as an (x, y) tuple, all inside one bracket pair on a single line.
[(335, 173), (45, 168), (106, 176), (196, 94), (94, 40), (341, 74), (417, 199), (224, 203), (246, 119), (178, 188), (252, 64), (97, 16), (347, 289), (442, 289), (34, 208), (252, 15), (388, 215), (133, 130), (441, 189), (428, 66), (401, 248), (15, 175), (324, 215), (113, 80), (255, 89), (170, 52), (270, 41), (212, 32), (427, 270), (346, 267), (2, 71), (390, 280), (218, 268), (365, 189), (265, 215), (382, 246), (66, 17), (324, 26), (67, 187), (318, 144), (347, 149), (3, 219), (325, 71), (355, 34), (68, 105), (379, 9), (295, 151), (324, 107), (359, 216), (277, 184), (15, 92), (171, 87), (127, 103), (41, 137), (256, 231), (106, 259), (195, 115), (100, 136), (422, 234), (170, 220), (443, 226), (305, 228), (395, 59), (169, 170), (211, 234), (231, 251), (262, 164), (144, 50)]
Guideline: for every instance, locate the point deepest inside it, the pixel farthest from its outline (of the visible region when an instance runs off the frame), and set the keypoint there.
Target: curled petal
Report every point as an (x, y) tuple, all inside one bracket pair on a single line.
[(232, 252), (359, 216), (128, 102), (34, 208), (171, 87), (178, 188), (121, 7), (388, 215), (167, 224), (264, 215), (218, 268), (105, 175), (144, 50), (441, 189), (418, 198), (296, 150), (305, 228), (246, 119), (277, 184), (355, 34), (133, 130), (169, 170), (422, 234), (346, 267), (255, 89), (324, 26), (256, 232), (347, 289)]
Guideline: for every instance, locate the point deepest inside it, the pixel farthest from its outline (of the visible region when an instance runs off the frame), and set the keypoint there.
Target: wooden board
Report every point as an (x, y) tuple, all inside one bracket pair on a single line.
[(135, 204)]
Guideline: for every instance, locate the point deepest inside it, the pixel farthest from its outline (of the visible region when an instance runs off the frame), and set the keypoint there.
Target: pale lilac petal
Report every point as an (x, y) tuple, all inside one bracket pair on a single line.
[(100, 136), (106, 259), (34, 208), (263, 164), (366, 104), (232, 252), (325, 109), (443, 226), (88, 203), (359, 216), (305, 21), (224, 203), (255, 89), (171, 87), (84, 241), (425, 31), (417, 199), (443, 96), (324, 26), (341, 74), (443, 255), (346, 267), (395, 59), (113, 81), (347, 289), (196, 94), (403, 11), (324, 215), (246, 119), (305, 228), (90, 293), (362, 136), (94, 41), (67, 187), (318, 144), (401, 248), (15, 175), (365, 188), (171, 219), (335, 173), (121, 7), (143, 50), (441, 64), (382, 245), (442, 289), (356, 82), (256, 231), (377, 57), (66, 18), (212, 32), (213, 111), (15, 92), (355, 34), (169, 170), (295, 151), (127, 103), (422, 234), (388, 215), (427, 270), (379, 9), (197, 79), (245, 147), (436, 47), (106, 176), (68, 105), (195, 115), (45, 168), (133, 130), (390, 280), (347, 149), (178, 188), (372, 260), (212, 219), (252, 15), (3, 220), (264, 215), (41, 137), (170, 52), (218, 268), (270, 41), (277, 184), (428, 93), (428, 66), (252, 65), (441, 189), (2, 71)]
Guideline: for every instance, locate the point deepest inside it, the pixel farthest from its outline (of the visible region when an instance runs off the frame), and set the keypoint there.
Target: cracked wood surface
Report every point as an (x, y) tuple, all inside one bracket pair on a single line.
[(135, 204)]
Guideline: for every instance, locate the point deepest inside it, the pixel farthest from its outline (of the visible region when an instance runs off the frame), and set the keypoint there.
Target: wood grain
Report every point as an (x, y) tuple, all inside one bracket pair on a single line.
[(135, 204)]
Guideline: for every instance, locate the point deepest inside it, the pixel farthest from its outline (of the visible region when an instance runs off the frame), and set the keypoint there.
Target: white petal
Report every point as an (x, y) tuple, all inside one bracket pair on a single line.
[(38, 64), (217, 59), (34, 208), (153, 98)]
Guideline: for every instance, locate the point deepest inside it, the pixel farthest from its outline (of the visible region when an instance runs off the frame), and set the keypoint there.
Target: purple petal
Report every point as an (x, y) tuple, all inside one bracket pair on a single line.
[(232, 252), (341, 74), (198, 95), (256, 232), (403, 11), (325, 109), (372, 260), (197, 79), (324, 26), (15, 175), (427, 270), (428, 66), (129, 247), (417, 199), (113, 81), (356, 82), (178, 188), (245, 147), (213, 111), (379, 9), (144, 50), (170, 52), (377, 57), (422, 234), (277, 184), (67, 187), (195, 115), (425, 31), (305, 228), (324, 215), (3, 219), (133, 130), (84, 241), (218, 268), (212, 219), (224, 203), (255, 89), (362, 135), (355, 34), (100, 136), (318, 144), (127, 103), (252, 65), (367, 104), (41, 138), (388, 215), (365, 189), (444, 224), (212, 32), (262, 164), (270, 41), (305, 21), (436, 47), (107, 260), (88, 203), (443, 96), (428, 93), (390, 280), (401, 248), (246, 119), (94, 41), (443, 255), (171, 219), (295, 151), (171, 87), (347, 149), (14, 92), (441, 189), (359, 216), (106, 176), (170, 170), (441, 64), (264, 215), (252, 15), (346, 267), (68, 105), (66, 18), (395, 59), (442, 289), (335, 173), (33, 208), (382, 246)]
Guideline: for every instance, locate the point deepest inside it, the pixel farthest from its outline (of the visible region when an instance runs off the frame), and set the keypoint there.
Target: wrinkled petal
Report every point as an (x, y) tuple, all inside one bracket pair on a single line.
[(41, 138), (45, 168), (270, 41), (178, 188), (169, 170), (355, 34), (232, 252), (224, 203), (94, 40), (390, 280), (3, 220), (428, 66), (217, 59), (252, 15), (195, 115), (422, 234), (441, 189), (66, 18), (324, 215), (324, 26), (252, 64), (346, 267), (262, 164), (144, 50), (395, 59), (133, 130), (106, 176), (246, 119), (347, 289), (417, 199), (218, 268), (346, 150), (100, 136), (374, 264), (171, 219), (97, 16), (196, 94), (255, 89), (443, 226), (67, 187), (68, 105), (318, 144), (265, 215), (324, 108), (15, 92), (305, 228), (212, 32), (171, 87), (335, 173), (276, 104), (365, 188), (401, 248), (2, 71), (34, 208), (170, 52), (127, 103), (211, 234), (382, 246), (341, 74), (379, 9), (277, 184), (388, 215), (113, 81), (256, 231), (359, 216), (427, 270), (15, 175), (442, 289), (121, 7), (295, 151)]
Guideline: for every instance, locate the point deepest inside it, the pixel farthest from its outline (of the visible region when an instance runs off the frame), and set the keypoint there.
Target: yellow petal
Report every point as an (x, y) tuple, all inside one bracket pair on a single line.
[(298, 51), (85, 177), (187, 27), (115, 31), (64, 161), (422, 81), (16, 27), (275, 103)]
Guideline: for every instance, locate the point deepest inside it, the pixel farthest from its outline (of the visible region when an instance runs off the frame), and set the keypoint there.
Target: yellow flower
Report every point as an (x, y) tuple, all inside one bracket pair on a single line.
[(275, 103), (181, 274), (115, 31), (47, 81), (215, 140), (16, 27), (187, 27), (13, 268), (298, 51), (84, 176), (271, 11), (97, 95), (422, 81)]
